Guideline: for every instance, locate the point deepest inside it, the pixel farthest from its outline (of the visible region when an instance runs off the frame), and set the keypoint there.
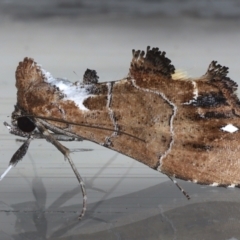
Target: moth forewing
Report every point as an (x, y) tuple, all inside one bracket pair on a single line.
[(181, 126)]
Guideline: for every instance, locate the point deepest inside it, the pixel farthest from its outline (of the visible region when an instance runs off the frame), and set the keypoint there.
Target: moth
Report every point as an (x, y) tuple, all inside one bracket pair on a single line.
[(186, 128)]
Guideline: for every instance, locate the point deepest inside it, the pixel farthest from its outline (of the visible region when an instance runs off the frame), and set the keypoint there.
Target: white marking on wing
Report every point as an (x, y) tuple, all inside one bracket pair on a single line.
[(74, 92), (230, 128), (111, 113), (174, 112), (195, 94), (214, 184)]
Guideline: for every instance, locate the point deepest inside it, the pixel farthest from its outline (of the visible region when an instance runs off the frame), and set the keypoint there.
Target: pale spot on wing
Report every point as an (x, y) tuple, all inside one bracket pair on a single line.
[(230, 128), (195, 90), (195, 94), (214, 184)]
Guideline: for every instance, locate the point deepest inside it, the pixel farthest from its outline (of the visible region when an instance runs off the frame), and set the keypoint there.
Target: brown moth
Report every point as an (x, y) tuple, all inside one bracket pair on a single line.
[(186, 128)]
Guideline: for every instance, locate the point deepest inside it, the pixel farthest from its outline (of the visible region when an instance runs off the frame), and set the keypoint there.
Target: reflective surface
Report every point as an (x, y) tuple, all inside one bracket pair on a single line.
[(40, 197)]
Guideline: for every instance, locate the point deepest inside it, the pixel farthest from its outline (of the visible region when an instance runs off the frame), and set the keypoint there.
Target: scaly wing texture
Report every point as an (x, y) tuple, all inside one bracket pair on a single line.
[(181, 122), (203, 152), (153, 62), (33, 93)]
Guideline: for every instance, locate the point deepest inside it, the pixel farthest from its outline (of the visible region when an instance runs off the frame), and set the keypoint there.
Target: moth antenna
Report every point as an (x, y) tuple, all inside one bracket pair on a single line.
[(59, 131), (65, 151), (77, 76), (85, 125), (180, 188), (60, 135)]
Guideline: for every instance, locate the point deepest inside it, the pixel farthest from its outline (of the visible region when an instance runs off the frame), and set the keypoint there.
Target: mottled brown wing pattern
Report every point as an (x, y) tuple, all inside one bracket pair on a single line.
[(199, 150), (152, 63), (27, 73), (184, 127), (203, 152), (34, 95), (180, 121), (217, 75)]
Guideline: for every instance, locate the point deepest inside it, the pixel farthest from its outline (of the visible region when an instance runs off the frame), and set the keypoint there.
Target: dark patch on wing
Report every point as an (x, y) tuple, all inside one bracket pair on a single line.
[(194, 146), (211, 99), (217, 115), (202, 147), (90, 77), (99, 99), (217, 75), (218, 72), (154, 61)]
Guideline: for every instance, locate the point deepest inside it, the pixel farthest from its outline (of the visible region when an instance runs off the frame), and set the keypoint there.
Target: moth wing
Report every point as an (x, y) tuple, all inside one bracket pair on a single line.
[(27, 72), (90, 77), (154, 64), (217, 76)]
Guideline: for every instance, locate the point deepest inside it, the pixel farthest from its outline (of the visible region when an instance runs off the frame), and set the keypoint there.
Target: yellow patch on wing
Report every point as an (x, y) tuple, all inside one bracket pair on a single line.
[(180, 75)]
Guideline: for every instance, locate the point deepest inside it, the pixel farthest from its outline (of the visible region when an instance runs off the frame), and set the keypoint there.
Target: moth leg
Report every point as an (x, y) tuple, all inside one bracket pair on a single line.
[(61, 137), (59, 130), (179, 187), (65, 151)]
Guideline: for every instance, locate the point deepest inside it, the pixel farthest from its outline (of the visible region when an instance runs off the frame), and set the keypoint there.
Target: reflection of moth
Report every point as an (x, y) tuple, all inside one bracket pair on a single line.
[(183, 127)]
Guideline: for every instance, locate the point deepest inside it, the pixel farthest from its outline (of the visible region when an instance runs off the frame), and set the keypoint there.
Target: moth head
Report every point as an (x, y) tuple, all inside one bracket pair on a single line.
[(22, 122)]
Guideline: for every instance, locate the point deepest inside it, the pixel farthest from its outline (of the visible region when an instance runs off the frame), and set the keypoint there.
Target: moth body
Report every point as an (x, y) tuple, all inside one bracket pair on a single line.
[(184, 127)]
